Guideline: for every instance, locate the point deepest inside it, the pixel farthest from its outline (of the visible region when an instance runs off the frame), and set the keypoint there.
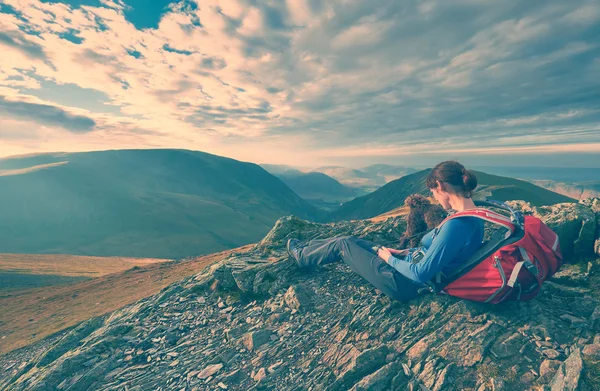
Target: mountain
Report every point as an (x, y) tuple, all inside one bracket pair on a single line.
[(559, 174), (246, 322), (315, 185), (576, 190), (318, 189), (393, 194), (161, 203)]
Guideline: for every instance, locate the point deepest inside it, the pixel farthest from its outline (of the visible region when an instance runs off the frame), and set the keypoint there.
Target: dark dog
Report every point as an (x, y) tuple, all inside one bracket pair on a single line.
[(422, 217)]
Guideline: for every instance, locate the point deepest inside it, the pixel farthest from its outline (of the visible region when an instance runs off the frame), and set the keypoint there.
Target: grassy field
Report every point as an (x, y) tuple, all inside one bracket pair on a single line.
[(69, 265), (30, 315), (11, 281)]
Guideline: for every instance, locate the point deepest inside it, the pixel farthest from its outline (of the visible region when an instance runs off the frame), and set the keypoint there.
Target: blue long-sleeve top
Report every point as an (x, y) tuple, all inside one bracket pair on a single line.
[(455, 242)]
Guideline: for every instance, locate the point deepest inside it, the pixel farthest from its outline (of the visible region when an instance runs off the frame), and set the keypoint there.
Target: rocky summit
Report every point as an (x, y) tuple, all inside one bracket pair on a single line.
[(255, 321)]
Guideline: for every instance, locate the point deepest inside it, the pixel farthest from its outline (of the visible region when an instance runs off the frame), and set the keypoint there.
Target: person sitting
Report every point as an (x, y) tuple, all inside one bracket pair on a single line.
[(393, 271)]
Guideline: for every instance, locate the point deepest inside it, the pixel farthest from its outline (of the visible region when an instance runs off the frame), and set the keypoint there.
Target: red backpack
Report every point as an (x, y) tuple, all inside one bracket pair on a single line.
[(521, 254)]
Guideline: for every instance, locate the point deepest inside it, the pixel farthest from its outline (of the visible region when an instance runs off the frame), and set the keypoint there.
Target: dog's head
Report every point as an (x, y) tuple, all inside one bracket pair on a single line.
[(417, 201)]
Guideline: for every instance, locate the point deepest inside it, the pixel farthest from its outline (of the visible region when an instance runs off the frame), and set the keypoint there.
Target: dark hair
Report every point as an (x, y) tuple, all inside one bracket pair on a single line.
[(455, 178)]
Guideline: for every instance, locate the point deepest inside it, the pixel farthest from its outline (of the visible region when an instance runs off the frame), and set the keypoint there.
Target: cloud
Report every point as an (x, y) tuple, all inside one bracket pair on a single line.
[(16, 40), (46, 114), (328, 77)]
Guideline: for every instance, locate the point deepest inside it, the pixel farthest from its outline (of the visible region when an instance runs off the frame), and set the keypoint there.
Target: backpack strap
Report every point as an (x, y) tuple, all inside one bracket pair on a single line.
[(484, 214)]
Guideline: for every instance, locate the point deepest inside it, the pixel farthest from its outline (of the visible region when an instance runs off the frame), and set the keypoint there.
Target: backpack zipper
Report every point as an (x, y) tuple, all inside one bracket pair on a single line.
[(496, 264)]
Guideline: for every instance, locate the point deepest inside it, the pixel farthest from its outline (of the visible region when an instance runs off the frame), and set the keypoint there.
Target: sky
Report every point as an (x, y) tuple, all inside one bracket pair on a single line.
[(306, 82)]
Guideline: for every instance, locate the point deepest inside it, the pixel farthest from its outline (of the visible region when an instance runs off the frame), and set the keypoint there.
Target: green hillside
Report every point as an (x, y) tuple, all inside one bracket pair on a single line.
[(140, 203), (393, 194)]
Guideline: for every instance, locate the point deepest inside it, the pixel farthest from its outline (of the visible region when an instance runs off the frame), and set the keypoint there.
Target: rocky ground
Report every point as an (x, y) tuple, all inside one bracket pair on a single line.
[(254, 321)]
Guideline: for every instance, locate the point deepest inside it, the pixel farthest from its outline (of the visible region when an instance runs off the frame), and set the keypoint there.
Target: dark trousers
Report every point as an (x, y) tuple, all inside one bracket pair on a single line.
[(362, 259)]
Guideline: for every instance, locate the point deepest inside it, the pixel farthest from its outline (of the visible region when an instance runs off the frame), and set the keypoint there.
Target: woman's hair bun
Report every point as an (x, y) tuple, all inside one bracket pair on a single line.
[(469, 179)]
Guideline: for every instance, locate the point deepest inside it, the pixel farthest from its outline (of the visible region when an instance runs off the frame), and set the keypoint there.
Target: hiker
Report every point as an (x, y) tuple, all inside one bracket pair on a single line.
[(392, 271)]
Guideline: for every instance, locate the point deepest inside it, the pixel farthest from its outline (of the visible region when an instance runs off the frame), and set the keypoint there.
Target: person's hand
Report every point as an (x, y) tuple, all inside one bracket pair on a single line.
[(384, 253), (398, 252)]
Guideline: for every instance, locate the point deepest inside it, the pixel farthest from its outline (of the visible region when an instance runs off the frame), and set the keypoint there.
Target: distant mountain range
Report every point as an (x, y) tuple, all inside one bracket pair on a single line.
[(319, 189), (576, 190), (363, 181), (142, 203), (368, 178), (393, 194), (172, 204)]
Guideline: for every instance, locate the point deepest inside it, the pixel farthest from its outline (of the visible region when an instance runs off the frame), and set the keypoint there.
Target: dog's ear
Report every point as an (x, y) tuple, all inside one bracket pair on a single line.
[(434, 215), (416, 201)]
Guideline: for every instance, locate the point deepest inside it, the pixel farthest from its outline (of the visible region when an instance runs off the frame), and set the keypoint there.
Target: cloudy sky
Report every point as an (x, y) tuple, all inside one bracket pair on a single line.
[(306, 82)]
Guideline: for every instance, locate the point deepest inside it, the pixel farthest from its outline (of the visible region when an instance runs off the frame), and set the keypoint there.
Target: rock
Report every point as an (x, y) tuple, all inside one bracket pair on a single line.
[(592, 351), (209, 371), (234, 377), (235, 333), (497, 384), (573, 275), (575, 225), (594, 320), (574, 320), (379, 380), (551, 353), (507, 347), (297, 297), (548, 369), (255, 339), (363, 364), (227, 355), (594, 204), (568, 374), (528, 378), (260, 375)]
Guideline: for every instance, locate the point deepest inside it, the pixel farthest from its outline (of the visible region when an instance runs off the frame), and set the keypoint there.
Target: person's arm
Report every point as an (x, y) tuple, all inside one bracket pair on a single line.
[(426, 239), (445, 247), (401, 253)]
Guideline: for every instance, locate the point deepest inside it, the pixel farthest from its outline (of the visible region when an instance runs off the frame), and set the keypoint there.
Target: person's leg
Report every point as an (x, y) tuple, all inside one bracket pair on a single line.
[(357, 254), (319, 252)]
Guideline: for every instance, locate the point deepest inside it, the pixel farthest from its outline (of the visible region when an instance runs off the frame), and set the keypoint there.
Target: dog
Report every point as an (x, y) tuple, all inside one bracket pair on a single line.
[(422, 217)]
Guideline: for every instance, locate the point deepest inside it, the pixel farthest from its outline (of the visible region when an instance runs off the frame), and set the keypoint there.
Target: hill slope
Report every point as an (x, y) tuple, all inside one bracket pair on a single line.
[(393, 194), (246, 323), (138, 203)]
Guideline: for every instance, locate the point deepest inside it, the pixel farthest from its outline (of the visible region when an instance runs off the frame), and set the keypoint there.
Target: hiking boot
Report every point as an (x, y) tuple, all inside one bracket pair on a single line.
[(293, 248)]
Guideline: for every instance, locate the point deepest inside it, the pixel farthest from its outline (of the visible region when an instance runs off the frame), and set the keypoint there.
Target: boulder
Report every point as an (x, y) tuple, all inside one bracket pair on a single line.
[(568, 375), (575, 224)]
